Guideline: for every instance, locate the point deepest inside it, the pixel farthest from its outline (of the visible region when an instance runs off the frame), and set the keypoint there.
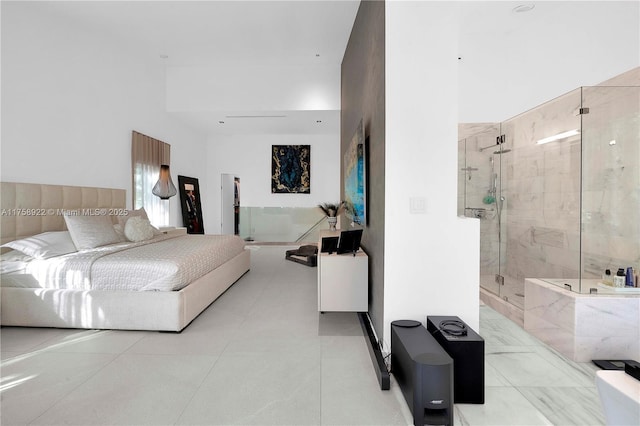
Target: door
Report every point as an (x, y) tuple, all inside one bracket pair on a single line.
[(230, 204)]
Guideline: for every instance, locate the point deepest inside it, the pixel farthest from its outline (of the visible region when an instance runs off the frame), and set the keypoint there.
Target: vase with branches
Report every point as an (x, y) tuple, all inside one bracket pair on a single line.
[(331, 211)]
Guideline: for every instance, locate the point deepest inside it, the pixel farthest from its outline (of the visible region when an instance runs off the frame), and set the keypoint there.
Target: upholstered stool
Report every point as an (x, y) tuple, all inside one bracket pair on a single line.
[(306, 255)]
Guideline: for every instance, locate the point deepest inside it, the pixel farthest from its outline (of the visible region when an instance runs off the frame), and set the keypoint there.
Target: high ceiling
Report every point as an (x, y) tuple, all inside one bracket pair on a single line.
[(227, 38), (509, 58)]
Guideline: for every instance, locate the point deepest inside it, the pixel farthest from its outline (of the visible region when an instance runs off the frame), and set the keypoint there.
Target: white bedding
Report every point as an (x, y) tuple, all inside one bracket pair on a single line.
[(164, 263)]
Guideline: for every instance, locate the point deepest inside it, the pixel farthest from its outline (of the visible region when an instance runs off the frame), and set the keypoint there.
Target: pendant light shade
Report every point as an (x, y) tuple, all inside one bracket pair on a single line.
[(164, 188)]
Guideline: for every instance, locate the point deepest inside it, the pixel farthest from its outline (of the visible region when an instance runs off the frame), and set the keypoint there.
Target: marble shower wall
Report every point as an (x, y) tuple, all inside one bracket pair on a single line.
[(611, 180), (552, 190), (541, 187), (475, 181)]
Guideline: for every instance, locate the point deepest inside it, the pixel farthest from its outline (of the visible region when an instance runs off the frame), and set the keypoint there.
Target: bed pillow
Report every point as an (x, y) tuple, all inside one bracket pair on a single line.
[(120, 231), (141, 212), (15, 256), (45, 245), (138, 229), (89, 232)]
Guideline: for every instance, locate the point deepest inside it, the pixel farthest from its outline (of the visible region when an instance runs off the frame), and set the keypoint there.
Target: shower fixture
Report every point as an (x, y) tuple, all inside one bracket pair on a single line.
[(502, 151), (469, 170)]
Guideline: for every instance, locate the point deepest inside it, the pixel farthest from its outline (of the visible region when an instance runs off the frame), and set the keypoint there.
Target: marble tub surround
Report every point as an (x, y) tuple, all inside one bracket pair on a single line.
[(620, 397), (583, 327), (590, 286)]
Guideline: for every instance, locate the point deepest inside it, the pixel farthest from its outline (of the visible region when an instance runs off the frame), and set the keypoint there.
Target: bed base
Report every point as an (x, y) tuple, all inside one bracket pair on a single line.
[(119, 310)]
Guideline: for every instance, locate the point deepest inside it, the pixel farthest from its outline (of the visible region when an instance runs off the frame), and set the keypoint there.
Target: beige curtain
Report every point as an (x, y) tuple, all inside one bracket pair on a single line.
[(147, 154)]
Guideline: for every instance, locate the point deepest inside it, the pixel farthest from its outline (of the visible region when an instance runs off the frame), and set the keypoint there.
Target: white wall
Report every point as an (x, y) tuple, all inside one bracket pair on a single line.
[(71, 97), (249, 157), (431, 259), (580, 43)]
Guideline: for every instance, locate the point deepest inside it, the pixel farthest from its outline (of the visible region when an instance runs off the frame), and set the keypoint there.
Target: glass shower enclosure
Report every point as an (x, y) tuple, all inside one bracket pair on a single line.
[(557, 191)]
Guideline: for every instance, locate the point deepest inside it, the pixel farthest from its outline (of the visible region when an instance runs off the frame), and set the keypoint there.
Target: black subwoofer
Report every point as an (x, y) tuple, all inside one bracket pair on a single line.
[(466, 348), (424, 372)]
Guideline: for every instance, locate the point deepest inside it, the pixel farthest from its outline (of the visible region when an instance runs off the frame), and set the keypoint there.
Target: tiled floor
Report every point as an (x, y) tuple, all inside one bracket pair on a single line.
[(263, 355)]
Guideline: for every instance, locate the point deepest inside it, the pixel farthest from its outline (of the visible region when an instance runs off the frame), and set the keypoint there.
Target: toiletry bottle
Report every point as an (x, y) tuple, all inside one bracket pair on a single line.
[(629, 277), (607, 278), (619, 279)]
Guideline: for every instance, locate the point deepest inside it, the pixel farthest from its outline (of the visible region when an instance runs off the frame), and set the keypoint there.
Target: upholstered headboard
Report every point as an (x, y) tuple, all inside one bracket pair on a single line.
[(29, 209)]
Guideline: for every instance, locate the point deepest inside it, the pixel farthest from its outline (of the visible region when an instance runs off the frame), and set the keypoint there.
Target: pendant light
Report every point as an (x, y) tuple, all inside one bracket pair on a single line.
[(164, 188)]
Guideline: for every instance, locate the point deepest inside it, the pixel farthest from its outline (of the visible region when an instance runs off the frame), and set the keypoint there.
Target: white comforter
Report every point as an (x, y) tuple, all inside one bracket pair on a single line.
[(162, 264)]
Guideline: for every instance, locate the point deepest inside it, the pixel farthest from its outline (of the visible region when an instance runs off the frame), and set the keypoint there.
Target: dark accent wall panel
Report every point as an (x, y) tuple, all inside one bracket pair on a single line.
[(362, 97)]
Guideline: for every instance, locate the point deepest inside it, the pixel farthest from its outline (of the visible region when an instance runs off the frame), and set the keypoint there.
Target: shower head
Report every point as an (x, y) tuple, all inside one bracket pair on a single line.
[(502, 151)]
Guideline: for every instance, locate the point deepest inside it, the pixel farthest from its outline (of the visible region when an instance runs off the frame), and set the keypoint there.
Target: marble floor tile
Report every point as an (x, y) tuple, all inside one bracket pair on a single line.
[(524, 366), (566, 406), (503, 406), (493, 376)]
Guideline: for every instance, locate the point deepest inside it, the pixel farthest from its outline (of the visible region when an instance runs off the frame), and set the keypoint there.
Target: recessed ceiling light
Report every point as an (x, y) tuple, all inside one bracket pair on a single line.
[(524, 8)]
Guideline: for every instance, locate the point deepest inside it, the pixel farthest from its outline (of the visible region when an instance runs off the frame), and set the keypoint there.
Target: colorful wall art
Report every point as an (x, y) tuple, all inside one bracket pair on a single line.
[(355, 184), (291, 169)]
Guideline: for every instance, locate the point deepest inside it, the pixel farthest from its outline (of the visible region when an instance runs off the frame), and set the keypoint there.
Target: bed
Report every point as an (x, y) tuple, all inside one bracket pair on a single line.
[(173, 277)]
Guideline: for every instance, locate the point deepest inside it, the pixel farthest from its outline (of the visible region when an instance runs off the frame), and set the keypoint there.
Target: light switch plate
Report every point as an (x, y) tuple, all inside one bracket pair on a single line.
[(417, 205)]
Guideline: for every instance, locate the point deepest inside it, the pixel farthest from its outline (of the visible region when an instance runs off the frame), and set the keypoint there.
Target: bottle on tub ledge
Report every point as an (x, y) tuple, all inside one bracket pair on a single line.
[(620, 278), (629, 278), (607, 279)]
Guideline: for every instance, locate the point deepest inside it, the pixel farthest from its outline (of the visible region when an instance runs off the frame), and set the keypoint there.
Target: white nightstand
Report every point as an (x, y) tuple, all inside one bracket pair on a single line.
[(343, 280)]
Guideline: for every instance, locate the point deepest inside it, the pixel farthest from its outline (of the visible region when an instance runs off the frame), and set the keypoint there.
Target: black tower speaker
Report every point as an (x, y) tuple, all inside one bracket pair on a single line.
[(466, 348), (424, 372)]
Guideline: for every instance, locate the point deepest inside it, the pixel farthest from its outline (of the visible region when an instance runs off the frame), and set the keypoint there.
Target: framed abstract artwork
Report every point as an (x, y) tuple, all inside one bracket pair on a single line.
[(291, 169), (355, 177), (190, 201)]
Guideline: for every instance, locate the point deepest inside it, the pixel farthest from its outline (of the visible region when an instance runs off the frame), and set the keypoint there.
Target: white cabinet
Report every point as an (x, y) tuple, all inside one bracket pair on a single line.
[(343, 281)]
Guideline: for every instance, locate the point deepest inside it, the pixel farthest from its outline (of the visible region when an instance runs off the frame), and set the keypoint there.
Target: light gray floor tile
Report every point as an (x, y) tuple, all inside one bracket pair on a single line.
[(258, 390), (33, 382), (346, 347), (306, 347), (352, 396), (23, 339), (133, 390), (92, 341), (189, 342), (339, 324)]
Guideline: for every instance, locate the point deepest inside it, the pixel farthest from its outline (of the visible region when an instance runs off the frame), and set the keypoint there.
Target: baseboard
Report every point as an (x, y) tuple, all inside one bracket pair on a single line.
[(375, 353)]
